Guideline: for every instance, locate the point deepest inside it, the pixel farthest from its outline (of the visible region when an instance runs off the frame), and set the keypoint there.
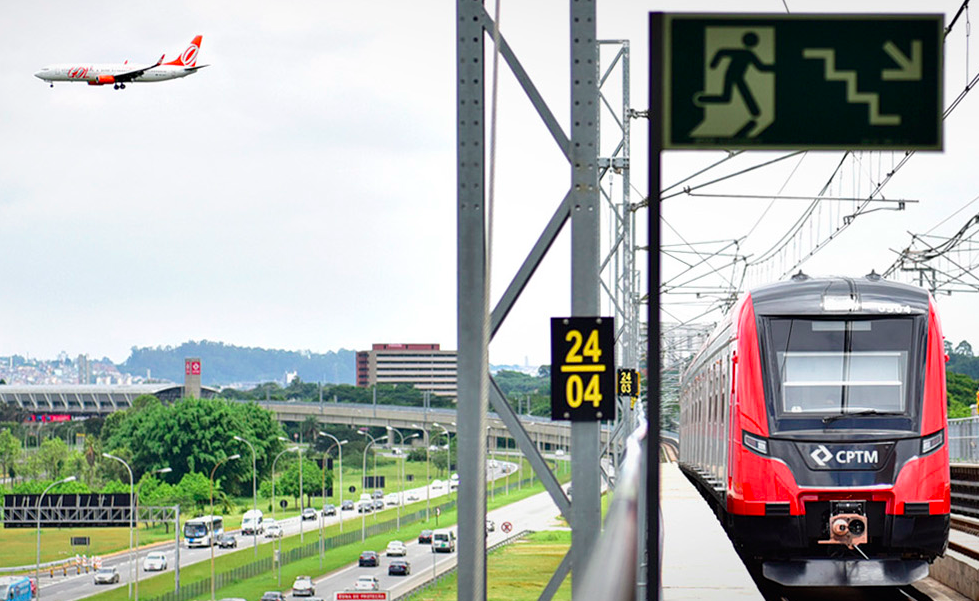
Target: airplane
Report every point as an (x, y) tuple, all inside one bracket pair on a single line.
[(121, 74)]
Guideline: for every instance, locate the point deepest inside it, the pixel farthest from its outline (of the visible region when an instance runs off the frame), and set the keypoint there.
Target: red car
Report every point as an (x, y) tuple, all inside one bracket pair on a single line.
[(425, 537)]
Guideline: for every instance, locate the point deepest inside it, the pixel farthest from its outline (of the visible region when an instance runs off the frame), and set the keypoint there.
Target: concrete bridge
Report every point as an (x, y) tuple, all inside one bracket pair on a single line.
[(88, 400)]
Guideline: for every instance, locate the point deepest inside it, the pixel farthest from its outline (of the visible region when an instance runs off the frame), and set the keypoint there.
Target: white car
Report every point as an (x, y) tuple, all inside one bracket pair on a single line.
[(366, 583), (396, 548), (273, 531), (303, 586), (154, 562), (309, 514), (392, 499)]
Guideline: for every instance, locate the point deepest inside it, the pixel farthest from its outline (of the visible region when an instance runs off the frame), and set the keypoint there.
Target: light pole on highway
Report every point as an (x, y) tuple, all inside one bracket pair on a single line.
[(428, 472), (162, 470), (448, 458), (402, 497), (37, 570), (211, 490), (339, 444), (279, 563), (132, 509), (363, 514), (254, 490)]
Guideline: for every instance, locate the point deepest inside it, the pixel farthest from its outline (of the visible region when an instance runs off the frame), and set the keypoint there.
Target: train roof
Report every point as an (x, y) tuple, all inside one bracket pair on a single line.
[(867, 295)]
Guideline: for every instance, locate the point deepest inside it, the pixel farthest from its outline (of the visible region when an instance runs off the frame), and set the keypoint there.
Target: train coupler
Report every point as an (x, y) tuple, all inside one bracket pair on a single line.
[(847, 524)]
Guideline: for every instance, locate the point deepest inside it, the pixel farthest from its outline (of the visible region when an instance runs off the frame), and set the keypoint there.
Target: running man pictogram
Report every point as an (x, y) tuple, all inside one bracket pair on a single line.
[(742, 60)]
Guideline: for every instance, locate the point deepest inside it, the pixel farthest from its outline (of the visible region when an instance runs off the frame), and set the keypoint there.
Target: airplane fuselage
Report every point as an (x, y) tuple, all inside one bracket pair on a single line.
[(106, 73)]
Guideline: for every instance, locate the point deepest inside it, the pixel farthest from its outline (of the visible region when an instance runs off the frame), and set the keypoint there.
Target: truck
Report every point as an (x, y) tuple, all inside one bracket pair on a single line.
[(252, 522)]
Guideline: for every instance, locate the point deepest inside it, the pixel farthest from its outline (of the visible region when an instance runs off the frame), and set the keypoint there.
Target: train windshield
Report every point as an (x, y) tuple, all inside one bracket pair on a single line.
[(842, 366)]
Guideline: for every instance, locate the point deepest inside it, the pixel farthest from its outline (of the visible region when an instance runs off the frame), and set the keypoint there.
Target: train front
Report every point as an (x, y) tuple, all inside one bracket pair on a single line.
[(840, 468)]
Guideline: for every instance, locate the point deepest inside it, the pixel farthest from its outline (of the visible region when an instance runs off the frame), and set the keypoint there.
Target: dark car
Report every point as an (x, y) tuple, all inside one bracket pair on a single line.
[(347, 505), (273, 596), (378, 494), (227, 541), (425, 537), (330, 509), (378, 504), (368, 559), (399, 567)]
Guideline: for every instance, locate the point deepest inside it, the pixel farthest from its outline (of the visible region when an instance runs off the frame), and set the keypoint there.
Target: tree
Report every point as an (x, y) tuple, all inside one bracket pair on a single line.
[(10, 451), (194, 488), (964, 348), (52, 456), (288, 483)]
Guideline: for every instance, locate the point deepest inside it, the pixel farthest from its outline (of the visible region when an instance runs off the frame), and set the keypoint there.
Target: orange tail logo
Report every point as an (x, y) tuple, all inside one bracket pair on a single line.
[(189, 56)]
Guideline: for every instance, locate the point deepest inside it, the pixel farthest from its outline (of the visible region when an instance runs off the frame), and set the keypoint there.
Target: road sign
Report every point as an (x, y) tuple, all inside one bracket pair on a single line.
[(283, 503), (628, 382), (80, 541), (582, 368), (803, 81), (361, 596), (506, 527)]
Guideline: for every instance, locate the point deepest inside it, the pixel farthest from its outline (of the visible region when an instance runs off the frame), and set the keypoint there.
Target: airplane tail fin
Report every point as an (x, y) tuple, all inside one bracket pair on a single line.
[(188, 58)]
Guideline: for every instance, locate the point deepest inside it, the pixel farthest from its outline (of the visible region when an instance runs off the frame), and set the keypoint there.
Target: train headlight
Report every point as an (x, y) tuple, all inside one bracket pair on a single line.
[(755, 443), (930, 443)]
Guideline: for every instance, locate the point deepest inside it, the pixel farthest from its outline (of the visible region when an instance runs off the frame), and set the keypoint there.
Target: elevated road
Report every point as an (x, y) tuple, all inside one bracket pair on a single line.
[(87, 400)]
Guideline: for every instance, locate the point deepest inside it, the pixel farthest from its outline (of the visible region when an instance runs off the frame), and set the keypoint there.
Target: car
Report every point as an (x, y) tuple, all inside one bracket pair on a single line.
[(303, 586), (330, 509), (369, 559), (367, 583), (154, 561), (365, 507), (273, 531), (399, 567), (273, 596), (236, 599), (347, 505), (443, 541), (425, 537), (226, 540), (379, 494), (378, 504), (309, 514), (559, 452), (107, 575), (490, 525), (397, 548), (392, 499)]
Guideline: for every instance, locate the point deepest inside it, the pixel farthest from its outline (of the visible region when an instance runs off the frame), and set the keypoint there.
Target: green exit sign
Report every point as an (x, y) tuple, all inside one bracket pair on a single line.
[(803, 81)]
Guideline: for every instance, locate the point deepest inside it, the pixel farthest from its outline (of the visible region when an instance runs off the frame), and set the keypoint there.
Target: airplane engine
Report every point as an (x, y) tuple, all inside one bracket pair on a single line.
[(101, 80)]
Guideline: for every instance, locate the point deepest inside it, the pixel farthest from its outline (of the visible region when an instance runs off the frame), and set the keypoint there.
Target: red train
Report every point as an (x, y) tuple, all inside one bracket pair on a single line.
[(814, 421)]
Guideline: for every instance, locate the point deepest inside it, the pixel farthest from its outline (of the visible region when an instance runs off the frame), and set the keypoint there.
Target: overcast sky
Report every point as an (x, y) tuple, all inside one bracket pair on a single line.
[(299, 193)]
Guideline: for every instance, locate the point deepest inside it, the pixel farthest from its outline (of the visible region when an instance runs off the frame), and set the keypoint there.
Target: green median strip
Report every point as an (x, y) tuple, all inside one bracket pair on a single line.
[(245, 580)]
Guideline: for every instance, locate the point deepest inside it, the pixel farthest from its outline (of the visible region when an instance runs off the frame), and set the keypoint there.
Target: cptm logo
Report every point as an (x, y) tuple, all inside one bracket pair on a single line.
[(190, 54), (822, 455)]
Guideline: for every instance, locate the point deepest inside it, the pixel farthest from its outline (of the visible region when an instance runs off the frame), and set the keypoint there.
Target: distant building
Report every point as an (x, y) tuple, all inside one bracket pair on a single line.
[(424, 366)]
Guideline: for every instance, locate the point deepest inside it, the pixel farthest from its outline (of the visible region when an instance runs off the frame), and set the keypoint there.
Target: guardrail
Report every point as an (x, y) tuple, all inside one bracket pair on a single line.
[(421, 588)]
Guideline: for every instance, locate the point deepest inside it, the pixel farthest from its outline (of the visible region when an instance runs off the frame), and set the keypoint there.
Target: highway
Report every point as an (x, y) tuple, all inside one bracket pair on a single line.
[(78, 586)]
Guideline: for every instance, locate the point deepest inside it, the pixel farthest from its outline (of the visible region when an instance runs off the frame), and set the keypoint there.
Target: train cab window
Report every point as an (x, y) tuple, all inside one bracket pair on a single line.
[(844, 366)]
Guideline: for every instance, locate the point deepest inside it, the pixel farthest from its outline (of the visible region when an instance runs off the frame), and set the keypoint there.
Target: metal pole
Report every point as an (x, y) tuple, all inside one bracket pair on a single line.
[(211, 527), (279, 561), (176, 558), (363, 514), (162, 470), (653, 590), (131, 510), (339, 444), (254, 490), (301, 499), (37, 569), (428, 472), (586, 513)]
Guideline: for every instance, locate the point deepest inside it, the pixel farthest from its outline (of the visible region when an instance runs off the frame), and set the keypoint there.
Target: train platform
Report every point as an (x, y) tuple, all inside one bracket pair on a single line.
[(699, 562)]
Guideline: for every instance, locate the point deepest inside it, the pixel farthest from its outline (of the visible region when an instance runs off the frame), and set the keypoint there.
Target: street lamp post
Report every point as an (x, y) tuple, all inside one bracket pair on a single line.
[(402, 497), (162, 470), (339, 444), (254, 490), (37, 569), (428, 473), (279, 563), (363, 514), (211, 490), (448, 456), (132, 510)]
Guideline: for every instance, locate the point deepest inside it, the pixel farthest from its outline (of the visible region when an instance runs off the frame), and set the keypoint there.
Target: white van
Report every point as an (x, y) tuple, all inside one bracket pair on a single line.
[(252, 522), (443, 541)]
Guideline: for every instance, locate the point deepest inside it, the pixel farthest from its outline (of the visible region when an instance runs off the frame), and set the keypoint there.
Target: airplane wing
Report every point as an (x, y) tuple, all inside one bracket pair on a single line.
[(131, 75)]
